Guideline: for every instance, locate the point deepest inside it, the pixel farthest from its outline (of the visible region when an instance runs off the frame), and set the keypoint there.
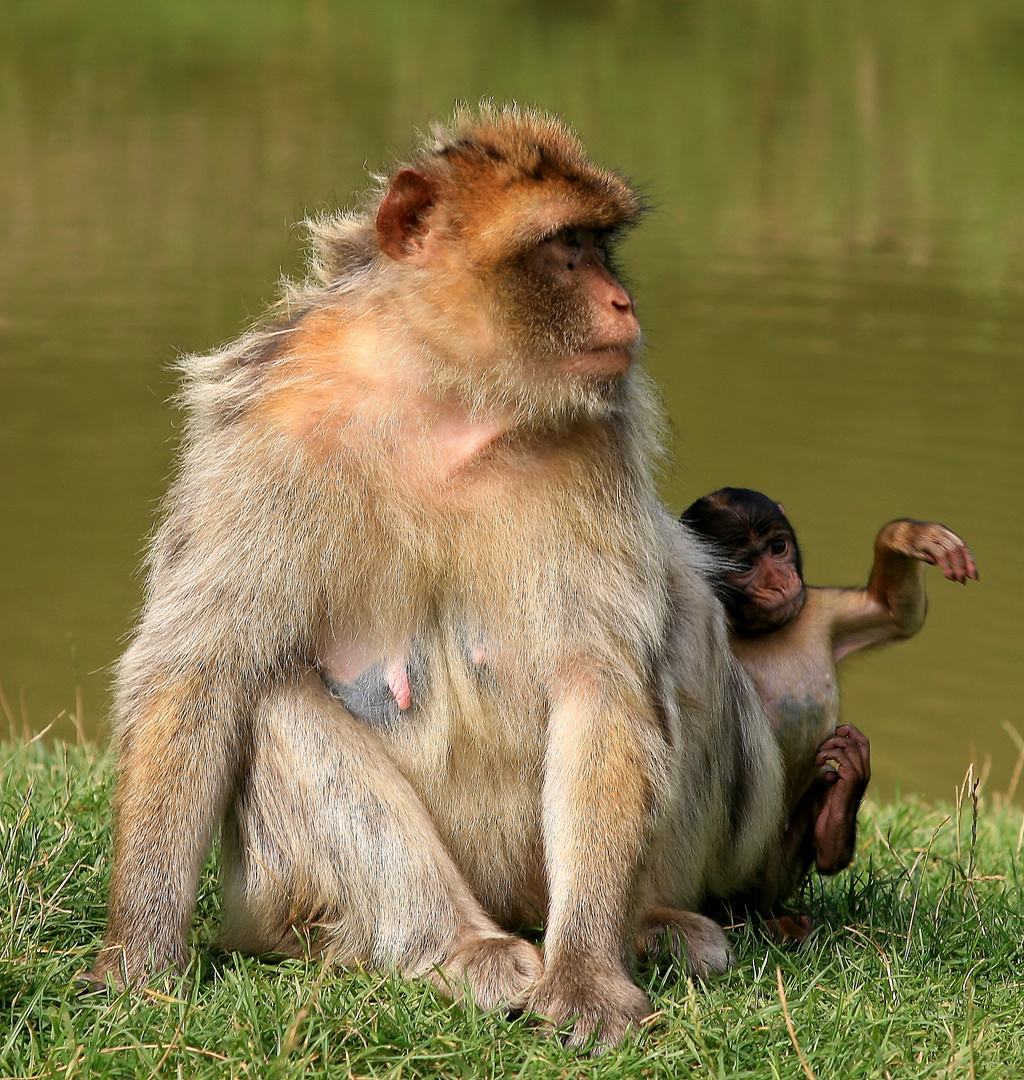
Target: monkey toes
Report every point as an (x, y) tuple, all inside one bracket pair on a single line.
[(698, 940), (590, 1005), (121, 966), (496, 971)]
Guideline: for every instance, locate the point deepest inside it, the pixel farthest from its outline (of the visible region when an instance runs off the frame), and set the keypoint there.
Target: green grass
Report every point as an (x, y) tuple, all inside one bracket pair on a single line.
[(914, 971)]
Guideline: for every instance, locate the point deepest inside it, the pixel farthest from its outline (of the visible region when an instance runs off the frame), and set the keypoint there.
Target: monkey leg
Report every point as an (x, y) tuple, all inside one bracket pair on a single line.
[(329, 850), (698, 940)]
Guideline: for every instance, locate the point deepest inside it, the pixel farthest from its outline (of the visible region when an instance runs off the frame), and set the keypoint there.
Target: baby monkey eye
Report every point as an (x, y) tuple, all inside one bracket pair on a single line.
[(779, 547)]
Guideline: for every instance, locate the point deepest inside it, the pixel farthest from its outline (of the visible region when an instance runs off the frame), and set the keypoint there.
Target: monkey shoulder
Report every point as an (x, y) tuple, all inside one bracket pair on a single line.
[(320, 381)]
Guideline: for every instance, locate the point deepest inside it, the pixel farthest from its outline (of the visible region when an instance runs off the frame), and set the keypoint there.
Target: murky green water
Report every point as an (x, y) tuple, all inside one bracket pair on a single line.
[(832, 283)]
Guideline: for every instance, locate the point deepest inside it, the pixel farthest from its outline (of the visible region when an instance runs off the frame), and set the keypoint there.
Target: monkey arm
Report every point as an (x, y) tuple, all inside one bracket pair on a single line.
[(894, 603), (172, 788), (822, 826), (598, 798), (219, 624)]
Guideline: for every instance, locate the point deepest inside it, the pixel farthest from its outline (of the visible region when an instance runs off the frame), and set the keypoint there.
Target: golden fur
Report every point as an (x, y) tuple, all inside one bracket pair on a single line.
[(395, 460)]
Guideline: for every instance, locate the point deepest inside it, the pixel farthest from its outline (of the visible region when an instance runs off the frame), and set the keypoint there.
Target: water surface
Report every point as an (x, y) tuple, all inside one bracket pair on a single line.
[(831, 281)]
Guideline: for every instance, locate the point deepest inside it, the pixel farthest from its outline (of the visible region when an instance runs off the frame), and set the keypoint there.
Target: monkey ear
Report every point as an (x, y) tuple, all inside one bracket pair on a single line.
[(401, 219), (782, 509)]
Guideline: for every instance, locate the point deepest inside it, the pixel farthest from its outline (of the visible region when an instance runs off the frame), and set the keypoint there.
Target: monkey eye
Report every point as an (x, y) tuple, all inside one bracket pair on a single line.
[(572, 236), (779, 546), (578, 237), (743, 565)]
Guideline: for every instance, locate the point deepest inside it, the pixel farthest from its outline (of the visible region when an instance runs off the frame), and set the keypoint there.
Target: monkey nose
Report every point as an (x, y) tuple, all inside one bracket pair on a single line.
[(622, 301), (623, 315), (609, 290)]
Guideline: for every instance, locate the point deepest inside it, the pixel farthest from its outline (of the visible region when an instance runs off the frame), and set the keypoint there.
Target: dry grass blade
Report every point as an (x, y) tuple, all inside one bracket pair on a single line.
[(1015, 776), (808, 1071)]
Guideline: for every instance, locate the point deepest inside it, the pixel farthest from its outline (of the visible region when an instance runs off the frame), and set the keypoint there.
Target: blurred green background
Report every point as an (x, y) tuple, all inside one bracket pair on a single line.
[(831, 283)]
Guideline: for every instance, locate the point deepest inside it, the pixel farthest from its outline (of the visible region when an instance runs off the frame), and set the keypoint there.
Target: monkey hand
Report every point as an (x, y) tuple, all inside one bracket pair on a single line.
[(835, 826), (591, 1001), (935, 544)]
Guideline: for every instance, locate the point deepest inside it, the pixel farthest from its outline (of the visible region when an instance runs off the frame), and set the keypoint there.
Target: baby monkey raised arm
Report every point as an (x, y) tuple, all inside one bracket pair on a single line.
[(790, 638)]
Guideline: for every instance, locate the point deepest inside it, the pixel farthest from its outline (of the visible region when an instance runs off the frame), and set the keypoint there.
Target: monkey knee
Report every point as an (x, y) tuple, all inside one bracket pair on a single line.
[(829, 864)]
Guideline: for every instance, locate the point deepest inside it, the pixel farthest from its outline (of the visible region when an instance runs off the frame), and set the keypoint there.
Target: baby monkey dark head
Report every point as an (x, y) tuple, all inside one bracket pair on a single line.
[(761, 582)]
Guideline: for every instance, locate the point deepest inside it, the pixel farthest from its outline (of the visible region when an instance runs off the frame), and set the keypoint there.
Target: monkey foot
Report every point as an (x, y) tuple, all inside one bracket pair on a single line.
[(790, 929), (96, 979), (497, 971), (698, 940), (120, 966)]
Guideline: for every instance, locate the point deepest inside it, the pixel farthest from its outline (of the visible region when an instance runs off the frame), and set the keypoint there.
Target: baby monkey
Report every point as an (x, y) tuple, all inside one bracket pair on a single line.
[(790, 638)]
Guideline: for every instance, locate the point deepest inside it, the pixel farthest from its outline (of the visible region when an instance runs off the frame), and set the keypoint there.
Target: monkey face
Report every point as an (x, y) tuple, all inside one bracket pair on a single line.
[(766, 590), (560, 303), (500, 248)]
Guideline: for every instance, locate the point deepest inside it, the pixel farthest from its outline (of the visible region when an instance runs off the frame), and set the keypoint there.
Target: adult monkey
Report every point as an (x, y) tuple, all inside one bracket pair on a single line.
[(437, 453)]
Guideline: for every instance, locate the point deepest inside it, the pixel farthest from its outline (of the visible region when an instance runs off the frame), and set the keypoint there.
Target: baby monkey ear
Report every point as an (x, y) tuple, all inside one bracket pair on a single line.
[(402, 218), (782, 509)]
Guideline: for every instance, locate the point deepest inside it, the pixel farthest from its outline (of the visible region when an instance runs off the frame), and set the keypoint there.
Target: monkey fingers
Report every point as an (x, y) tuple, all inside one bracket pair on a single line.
[(935, 544), (856, 737), (851, 752), (958, 564)]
